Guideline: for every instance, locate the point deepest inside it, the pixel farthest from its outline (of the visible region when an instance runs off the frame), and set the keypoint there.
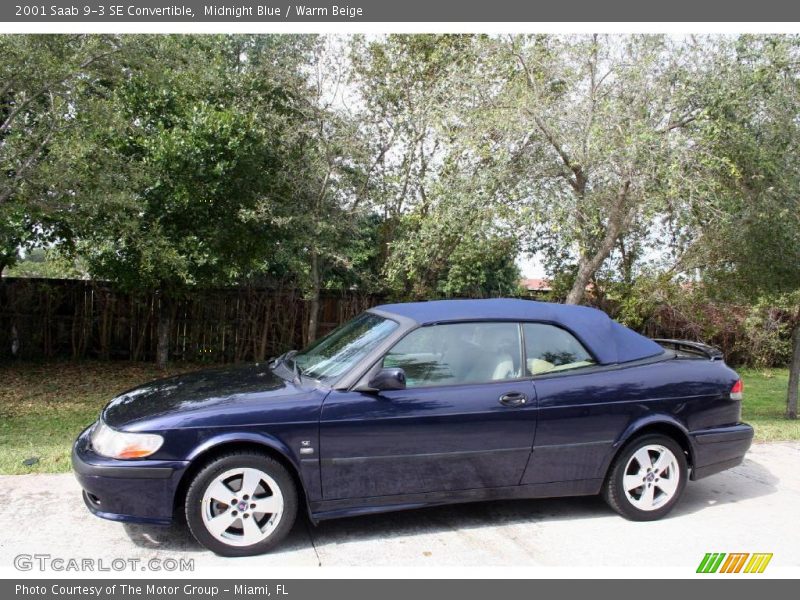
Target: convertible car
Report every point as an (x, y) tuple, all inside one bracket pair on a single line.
[(412, 405)]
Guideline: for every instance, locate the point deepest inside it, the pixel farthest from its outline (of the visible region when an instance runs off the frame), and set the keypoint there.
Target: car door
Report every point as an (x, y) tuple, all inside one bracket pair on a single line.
[(579, 415), (466, 419)]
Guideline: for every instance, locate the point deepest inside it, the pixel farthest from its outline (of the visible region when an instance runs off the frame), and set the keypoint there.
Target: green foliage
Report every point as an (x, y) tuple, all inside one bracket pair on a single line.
[(175, 201), (359, 262), (17, 232), (44, 82), (452, 250), (445, 232), (46, 264), (418, 166), (590, 128), (748, 226), (766, 339), (757, 335)]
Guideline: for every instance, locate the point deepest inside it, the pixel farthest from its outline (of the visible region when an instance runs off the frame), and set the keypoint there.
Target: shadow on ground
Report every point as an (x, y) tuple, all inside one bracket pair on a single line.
[(750, 480), (178, 538)]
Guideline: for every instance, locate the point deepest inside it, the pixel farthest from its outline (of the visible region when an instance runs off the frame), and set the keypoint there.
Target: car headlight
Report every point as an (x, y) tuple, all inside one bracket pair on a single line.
[(120, 444)]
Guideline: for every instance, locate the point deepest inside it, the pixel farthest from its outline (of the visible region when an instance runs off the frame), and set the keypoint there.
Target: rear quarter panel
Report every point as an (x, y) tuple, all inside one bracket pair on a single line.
[(584, 418)]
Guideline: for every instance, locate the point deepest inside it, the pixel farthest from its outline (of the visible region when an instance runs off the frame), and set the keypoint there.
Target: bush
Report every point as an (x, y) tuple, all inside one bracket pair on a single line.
[(758, 335)]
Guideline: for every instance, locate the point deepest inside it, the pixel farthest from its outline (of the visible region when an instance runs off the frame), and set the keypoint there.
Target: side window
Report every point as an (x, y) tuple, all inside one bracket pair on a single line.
[(549, 348), (458, 353)]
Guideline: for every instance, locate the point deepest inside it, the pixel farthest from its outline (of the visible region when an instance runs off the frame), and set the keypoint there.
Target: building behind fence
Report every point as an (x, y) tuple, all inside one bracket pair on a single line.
[(63, 318)]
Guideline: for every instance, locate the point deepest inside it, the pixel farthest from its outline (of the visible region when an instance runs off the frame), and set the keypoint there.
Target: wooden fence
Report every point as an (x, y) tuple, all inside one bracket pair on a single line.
[(49, 318), (58, 318)]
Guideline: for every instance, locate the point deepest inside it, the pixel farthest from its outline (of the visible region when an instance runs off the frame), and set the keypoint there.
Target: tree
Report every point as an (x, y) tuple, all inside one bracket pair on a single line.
[(44, 80), (455, 249), (745, 234), (46, 264), (441, 233), (402, 87), (319, 215), (592, 125), (325, 213), (187, 152)]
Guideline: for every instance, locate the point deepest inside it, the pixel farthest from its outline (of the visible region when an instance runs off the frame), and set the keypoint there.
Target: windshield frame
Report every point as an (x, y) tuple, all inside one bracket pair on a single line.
[(346, 378)]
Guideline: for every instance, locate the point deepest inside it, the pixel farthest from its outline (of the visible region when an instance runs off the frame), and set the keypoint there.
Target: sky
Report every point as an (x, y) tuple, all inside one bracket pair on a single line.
[(530, 267)]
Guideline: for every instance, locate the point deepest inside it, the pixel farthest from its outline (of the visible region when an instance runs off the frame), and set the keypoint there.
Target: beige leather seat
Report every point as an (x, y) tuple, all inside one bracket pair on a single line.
[(537, 365), (504, 368)]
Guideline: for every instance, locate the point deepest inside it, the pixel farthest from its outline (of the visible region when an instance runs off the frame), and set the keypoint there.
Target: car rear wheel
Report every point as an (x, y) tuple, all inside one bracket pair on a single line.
[(241, 504), (647, 478)]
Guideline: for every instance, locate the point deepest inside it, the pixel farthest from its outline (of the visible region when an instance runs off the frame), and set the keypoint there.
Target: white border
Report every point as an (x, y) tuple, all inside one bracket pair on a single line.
[(400, 27), (245, 569)]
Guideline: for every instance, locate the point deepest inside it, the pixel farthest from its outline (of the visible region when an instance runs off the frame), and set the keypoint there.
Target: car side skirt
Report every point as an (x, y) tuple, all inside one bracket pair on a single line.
[(334, 509)]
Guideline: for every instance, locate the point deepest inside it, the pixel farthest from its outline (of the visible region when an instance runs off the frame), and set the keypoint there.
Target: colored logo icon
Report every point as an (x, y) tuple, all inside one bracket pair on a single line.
[(734, 562)]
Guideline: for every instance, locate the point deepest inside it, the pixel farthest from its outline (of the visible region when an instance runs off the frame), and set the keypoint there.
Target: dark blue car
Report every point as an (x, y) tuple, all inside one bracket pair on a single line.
[(412, 405)]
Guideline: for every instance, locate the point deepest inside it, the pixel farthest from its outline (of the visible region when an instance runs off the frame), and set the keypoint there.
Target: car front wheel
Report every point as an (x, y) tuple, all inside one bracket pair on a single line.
[(647, 478), (241, 504)]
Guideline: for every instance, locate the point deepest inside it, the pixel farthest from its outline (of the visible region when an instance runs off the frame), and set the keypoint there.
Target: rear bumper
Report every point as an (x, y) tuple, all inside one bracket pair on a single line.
[(141, 491), (719, 448)]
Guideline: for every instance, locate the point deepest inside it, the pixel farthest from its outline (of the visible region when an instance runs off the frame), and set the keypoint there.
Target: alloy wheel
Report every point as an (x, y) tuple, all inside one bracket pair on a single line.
[(651, 477), (242, 507)]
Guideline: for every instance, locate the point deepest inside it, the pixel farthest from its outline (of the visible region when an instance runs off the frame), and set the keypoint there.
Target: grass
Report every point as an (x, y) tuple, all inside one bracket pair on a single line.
[(43, 406), (764, 404)]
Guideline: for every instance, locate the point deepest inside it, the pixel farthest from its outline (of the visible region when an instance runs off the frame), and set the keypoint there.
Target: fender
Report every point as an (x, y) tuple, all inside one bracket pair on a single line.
[(641, 423), (270, 441), (266, 440)]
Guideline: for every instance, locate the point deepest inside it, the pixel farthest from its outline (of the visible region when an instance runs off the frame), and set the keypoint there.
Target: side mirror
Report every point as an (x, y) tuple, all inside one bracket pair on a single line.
[(388, 379)]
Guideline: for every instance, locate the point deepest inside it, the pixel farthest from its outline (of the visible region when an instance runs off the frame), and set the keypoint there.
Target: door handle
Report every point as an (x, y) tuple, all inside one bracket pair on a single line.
[(513, 399)]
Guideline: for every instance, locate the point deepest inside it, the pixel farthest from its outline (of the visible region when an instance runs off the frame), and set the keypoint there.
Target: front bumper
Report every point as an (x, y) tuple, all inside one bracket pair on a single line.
[(719, 448), (132, 491)]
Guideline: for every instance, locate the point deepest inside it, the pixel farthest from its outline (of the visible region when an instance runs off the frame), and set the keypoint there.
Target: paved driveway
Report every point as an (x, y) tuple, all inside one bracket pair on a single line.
[(753, 508)]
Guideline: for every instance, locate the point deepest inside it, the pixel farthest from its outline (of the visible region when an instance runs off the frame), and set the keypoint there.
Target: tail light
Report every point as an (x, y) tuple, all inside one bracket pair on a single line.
[(737, 390)]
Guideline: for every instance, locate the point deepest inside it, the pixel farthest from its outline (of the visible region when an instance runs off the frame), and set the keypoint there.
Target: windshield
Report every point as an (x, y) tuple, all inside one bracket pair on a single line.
[(333, 355)]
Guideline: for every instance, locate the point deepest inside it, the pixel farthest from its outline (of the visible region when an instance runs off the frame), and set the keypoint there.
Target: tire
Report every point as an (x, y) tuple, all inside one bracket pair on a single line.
[(265, 505), (659, 490)]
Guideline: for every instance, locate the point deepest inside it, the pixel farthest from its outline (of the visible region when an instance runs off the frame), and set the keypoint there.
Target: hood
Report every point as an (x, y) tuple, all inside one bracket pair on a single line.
[(216, 389)]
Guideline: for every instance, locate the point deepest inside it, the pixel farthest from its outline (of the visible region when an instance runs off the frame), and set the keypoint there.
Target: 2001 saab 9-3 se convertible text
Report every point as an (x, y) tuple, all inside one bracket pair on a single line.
[(412, 405)]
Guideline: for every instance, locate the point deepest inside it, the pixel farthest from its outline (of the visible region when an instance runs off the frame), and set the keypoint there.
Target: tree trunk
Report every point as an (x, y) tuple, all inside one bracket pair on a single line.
[(105, 327), (618, 222), (261, 350), (313, 306), (578, 289), (164, 326), (794, 374), (588, 266)]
